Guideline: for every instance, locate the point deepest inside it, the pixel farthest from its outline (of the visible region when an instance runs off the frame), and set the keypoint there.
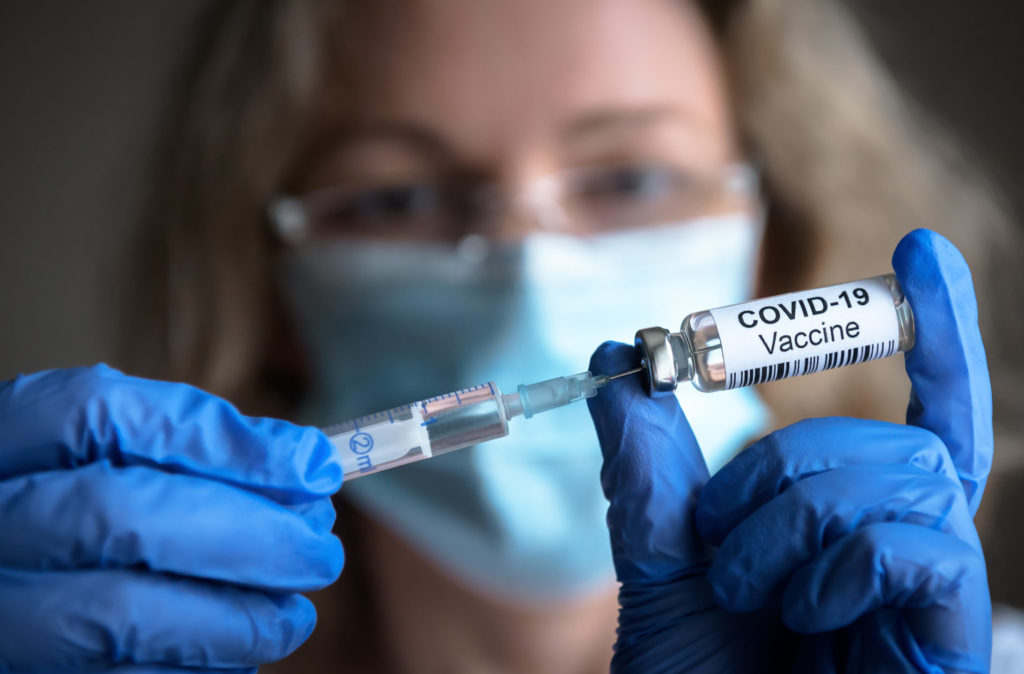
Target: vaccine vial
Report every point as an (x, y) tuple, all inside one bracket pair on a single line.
[(779, 337)]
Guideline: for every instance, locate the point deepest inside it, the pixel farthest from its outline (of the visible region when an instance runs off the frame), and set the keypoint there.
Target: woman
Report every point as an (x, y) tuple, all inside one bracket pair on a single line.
[(418, 139), (843, 186)]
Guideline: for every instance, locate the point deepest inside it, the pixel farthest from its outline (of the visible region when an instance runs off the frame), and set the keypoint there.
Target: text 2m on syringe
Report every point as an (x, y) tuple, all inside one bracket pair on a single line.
[(729, 347)]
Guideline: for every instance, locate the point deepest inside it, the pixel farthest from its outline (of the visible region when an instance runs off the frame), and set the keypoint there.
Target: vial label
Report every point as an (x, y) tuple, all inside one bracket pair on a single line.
[(805, 332)]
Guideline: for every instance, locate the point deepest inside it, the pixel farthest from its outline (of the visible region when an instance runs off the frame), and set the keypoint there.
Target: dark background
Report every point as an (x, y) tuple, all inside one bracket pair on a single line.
[(964, 63), (82, 87)]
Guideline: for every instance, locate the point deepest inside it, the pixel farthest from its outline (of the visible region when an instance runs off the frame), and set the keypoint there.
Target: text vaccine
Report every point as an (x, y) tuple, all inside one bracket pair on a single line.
[(778, 337)]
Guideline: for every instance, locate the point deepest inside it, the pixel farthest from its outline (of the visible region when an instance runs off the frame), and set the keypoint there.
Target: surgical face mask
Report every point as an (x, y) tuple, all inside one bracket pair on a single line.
[(520, 518)]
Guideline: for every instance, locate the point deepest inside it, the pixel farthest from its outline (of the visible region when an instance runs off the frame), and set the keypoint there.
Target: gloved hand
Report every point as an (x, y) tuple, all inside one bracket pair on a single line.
[(148, 526), (831, 545)]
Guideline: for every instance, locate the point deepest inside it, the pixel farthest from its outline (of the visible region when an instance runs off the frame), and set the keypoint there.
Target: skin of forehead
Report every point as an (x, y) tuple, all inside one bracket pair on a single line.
[(499, 80)]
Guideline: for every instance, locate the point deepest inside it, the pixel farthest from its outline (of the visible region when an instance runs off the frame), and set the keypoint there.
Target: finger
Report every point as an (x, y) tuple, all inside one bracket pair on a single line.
[(951, 394), (67, 418), (881, 641), (78, 619), (319, 514), (104, 517), (775, 462), (937, 580), (155, 669), (759, 557), (651, 473)]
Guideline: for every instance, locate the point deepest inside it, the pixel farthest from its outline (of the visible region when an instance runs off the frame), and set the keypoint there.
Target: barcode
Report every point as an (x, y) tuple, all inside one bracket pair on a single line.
[(812, 364)]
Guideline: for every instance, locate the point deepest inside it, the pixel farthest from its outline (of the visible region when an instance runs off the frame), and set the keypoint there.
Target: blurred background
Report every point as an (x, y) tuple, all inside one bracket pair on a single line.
[(85, 84)]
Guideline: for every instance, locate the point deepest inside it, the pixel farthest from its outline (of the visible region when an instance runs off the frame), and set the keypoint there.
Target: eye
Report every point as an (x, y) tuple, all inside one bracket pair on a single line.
[(636, 194), (400, 206), (629, 183)]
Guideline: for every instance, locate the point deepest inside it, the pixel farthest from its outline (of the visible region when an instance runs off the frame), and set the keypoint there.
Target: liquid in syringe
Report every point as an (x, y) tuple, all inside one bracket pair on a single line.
[(452, 421)]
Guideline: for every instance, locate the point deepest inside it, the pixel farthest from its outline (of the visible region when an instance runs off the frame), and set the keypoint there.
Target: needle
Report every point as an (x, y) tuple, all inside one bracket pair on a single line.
[(625, 374)]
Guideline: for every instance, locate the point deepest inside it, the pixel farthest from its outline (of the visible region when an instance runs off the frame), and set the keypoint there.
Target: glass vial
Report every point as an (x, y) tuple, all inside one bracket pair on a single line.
[(779, 337)]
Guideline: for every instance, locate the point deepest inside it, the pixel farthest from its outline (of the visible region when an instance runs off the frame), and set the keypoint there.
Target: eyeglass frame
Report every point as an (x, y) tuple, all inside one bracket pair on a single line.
[(290, 221)]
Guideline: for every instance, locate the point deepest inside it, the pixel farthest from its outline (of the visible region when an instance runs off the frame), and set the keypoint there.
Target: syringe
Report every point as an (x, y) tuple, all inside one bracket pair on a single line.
[(452, 421), (729, 347)]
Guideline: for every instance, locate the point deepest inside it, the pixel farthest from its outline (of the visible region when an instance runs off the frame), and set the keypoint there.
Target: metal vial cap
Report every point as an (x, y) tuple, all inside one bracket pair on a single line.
[(658, 359)]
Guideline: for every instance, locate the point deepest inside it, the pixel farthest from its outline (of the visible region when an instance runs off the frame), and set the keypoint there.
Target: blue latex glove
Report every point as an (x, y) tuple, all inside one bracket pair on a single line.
[(148, 526), (831, 545)]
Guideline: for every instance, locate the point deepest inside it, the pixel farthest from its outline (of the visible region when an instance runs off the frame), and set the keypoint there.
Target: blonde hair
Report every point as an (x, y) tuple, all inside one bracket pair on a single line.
[(854, 165), (850, 168)]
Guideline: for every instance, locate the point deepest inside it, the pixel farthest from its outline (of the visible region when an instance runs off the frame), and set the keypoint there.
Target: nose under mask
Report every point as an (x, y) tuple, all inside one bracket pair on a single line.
[(520, 518)]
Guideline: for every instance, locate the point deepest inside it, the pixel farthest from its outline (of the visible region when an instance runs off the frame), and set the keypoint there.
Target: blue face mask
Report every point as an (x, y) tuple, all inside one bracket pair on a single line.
[(520, 518)]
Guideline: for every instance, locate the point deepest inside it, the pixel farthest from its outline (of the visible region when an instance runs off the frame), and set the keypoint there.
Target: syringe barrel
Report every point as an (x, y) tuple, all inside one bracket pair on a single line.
[(779, 337), (419, 430), (473, 420)]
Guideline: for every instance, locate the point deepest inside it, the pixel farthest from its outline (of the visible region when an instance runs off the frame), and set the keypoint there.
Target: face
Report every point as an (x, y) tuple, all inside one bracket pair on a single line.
[(443, 106)]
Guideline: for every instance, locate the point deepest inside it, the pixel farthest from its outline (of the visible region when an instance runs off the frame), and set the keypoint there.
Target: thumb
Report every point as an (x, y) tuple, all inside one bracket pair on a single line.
[(951, 395), (652, 472)]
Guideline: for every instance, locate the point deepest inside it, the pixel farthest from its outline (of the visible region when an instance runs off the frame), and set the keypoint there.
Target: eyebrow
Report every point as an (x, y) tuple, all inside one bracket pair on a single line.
[(432, 146), (618, 120), (419, 139)]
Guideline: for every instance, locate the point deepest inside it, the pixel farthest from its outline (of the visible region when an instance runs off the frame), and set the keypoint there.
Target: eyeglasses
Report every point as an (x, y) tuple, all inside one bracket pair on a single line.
[(586, 199)]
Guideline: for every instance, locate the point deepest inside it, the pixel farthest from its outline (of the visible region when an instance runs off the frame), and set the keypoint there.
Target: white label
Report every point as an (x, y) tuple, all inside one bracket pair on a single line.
[(382, 440), (800, 333)]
